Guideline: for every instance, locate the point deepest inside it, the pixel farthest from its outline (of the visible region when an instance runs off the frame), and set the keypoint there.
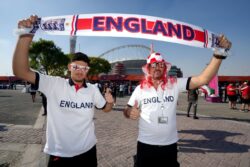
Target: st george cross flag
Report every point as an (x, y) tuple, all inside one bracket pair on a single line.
[(125, 25)]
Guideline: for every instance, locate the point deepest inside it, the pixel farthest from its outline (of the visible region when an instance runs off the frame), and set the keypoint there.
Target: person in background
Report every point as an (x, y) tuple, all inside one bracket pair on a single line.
[(232, 96), (245, 96), (113, 90), (192, 100), (32, 91), (44, 102)]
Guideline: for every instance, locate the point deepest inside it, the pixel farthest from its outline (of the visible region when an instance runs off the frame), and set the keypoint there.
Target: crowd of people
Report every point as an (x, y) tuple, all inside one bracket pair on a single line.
[(235, 93), (239, 93), (118, 88)]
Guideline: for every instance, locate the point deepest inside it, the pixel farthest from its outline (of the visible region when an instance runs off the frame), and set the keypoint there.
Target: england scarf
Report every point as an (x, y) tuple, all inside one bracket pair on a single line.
[(125, 25)]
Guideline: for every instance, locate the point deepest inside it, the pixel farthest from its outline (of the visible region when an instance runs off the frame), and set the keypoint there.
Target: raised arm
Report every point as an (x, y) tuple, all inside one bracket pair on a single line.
[(212, 67), (20, 63)]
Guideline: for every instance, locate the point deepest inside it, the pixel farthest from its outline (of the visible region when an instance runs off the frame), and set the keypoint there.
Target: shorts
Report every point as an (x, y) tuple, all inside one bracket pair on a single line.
[(245, 101), (32, 93), (193, 101), (232, 97)]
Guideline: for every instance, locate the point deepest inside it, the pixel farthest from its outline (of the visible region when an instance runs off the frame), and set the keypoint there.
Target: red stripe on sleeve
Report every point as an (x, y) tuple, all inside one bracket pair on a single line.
[(84, 24), (199, 36)]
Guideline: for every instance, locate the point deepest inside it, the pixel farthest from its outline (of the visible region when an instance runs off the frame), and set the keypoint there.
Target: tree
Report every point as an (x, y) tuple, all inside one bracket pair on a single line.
[(98, 65), (46, 57)]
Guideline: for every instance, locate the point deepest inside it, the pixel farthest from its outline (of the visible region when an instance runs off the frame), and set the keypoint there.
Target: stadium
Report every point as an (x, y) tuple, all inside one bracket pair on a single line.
[(127, 61)]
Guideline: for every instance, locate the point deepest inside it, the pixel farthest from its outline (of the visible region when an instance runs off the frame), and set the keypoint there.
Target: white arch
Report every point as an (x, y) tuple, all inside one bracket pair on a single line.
[(126, 52)]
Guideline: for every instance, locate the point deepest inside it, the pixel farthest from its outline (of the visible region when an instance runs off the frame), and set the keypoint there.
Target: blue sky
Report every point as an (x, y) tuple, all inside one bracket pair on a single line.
[(220, 16)]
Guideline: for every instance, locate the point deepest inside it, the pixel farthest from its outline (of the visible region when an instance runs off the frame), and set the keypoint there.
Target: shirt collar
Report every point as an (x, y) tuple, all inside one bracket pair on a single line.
[(71, 83)]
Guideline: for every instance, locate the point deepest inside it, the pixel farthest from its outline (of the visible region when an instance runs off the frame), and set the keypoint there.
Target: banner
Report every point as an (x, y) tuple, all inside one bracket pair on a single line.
[(214, 85), (126, 25)]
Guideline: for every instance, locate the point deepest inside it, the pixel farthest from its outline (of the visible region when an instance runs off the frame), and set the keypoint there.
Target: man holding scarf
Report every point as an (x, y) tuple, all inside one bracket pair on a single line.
[(154, 102), (70, 136)]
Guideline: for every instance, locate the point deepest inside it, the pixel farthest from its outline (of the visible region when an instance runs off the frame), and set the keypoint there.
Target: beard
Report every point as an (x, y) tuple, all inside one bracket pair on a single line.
[(78, 78), (157, 75)]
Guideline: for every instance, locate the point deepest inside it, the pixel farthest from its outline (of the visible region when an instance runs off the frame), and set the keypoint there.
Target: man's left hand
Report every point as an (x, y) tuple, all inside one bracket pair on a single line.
[(108, 96), (223, 42)]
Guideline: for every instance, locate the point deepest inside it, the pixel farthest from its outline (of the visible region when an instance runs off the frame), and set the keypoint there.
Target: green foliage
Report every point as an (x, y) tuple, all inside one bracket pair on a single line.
[(46, 57), (98, 65)]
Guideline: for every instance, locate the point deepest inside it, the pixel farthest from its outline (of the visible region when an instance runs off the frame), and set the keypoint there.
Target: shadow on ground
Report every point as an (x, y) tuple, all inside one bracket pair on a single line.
[(4, 165), (215, 141), (224, 118)]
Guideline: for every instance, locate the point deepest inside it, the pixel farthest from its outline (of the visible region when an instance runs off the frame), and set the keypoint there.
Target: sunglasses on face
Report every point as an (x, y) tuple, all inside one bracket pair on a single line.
[(160, 65), (75, 67)]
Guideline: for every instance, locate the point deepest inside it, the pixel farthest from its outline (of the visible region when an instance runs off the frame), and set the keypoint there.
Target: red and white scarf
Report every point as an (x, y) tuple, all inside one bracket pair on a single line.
[(125, 25)]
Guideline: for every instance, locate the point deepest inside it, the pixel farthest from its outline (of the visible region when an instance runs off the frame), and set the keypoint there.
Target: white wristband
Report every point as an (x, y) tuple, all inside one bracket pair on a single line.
[(24, 30)]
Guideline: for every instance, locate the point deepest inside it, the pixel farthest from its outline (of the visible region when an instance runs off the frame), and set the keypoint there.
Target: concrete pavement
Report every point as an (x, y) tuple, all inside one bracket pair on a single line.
[(209, 141), (21, 128)]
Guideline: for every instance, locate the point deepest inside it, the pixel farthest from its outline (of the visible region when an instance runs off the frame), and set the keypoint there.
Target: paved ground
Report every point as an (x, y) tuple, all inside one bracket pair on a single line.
[(21, 129), (218, 110), (17, 108), (209, 141)]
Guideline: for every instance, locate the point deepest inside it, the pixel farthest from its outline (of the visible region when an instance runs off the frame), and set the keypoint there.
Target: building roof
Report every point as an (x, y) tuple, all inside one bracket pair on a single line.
[(9, 78), (233, 78)]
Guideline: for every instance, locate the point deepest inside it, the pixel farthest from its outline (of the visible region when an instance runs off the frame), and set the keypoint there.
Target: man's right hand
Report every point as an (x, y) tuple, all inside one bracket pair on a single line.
[(27, 23)]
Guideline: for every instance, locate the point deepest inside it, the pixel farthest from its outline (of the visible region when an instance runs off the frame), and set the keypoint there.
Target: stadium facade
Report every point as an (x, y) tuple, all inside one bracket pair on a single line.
[(131, 70)]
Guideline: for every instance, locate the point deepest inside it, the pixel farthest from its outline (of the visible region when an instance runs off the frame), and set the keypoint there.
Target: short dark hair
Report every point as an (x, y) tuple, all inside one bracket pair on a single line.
[(79, 56)]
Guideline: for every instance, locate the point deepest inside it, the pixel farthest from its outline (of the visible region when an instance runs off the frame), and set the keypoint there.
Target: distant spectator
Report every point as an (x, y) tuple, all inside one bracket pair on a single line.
[(232, 96), (113, 90), (44, 101), (245, 96), (32, 91), (192, 100), (121, 90)]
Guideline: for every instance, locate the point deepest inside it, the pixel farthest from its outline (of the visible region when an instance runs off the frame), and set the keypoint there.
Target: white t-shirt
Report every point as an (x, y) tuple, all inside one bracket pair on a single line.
[(155, 104), (70, 126)]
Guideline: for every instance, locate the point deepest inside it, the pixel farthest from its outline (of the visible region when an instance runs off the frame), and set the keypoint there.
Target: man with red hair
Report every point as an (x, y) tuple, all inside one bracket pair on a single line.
[(154, 102)]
